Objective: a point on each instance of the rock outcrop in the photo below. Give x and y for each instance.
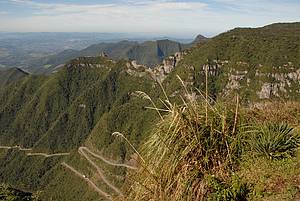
(279, 82)
(159, 72)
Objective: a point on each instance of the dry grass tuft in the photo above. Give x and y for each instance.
(195, 151)
(192, 140)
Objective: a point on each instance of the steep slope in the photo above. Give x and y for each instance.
(57, 113)
(259, 63)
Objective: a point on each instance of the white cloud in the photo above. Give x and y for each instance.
(160, 5)
(155, 16)
(178, 5)
(267, 7)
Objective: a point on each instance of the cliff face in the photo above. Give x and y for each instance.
(283, 83)
(258, 64)
(278, 82)
(261, 63)
(160, 72)
(254, 81)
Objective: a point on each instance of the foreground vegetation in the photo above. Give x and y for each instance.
(205, 150)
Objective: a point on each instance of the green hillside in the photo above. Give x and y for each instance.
(62, 111)
(259, 63)
(153, 52)
(92, 97)
(218, 149)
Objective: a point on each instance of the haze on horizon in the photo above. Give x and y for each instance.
(177, 18)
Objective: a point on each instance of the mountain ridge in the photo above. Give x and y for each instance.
(149, 53)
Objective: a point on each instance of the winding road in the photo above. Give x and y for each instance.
(83, 151)
(47, 155)
(5, 147)
(32, 153)
(99, 171)
(15, 147)
(106, 160)
(93, 185)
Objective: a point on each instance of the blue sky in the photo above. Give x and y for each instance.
(184, 18)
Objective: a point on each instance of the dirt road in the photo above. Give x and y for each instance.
(106, 160)
(92, 184)
(47, 155)
(99, 171)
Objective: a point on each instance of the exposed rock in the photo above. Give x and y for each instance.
(82, 105)
(242, 63)
(281, 81)
(265, 92)
(135, 65)
(135, 73)
(234, 79)
(211, 69)
(103, 54)
(160, 72)
(134, 69)
(271, 89)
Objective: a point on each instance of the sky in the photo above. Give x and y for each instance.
(178, 18)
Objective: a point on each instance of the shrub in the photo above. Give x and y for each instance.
(235, 190)
(275, 141)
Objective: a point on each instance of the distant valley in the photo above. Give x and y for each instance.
(42, 52)
(149, 53)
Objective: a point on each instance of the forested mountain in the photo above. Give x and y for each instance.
(200, 39)
(148, 53)
(35, 51)
(22, 49)
(258, 63)
(91, 97)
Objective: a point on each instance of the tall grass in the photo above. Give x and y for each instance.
(192, 140)
(195, 149)
(194, 152)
